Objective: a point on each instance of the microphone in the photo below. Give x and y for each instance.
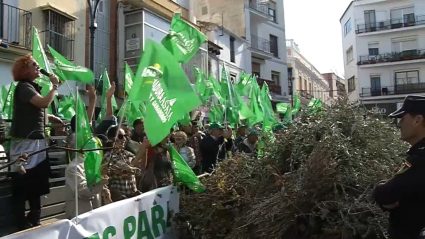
(44, 72)
(4, 45)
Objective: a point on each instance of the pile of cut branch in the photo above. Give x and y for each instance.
(314, 181)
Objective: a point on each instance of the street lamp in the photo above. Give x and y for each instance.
(290, 85)
(92, 27)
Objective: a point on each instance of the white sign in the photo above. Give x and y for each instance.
(378, 110)
(146, 216)
(132, 44)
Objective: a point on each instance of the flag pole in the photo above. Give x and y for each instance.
(70, 90)
(76, 156)
(122, 118)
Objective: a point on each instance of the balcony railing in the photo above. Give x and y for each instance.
(391, 57)
(260, 44)
(15, 26)
(62, 44)
(409, 21)
(394, 90)
(258, 6)
(305, 94)
(272, 85)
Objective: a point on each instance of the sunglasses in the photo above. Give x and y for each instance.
(121, 136)
(35, 64)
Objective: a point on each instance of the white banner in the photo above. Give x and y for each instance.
(146, 216)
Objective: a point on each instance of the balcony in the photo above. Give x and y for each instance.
(392, 57)
(15, 26)
(260, 8)
(272, 86)
(404, 89)
(408, 21)
(261, 47)
(305, 94)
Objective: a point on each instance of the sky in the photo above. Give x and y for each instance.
(314, 25)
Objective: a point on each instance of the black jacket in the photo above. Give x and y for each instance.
(210, 151)
(408, 189)
(244, 148)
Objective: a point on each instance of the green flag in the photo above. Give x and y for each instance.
(40, 57)
(203, 86)
(85, 140)
(297, 104)
(106, 85)
(4, 91)
(216, 89)
(216, 113)
(225, 83)
(185, 120)
(255, 98)
(162, 84)
(266, 105)
(244, 84)
(66, 107)
(67, 71)
(132, 111)
(282, 107)
(128, 78)
(183, 40)
(8, 104)
(184, 174)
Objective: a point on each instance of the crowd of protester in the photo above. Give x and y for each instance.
(130, 166)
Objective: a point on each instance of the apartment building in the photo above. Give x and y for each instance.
(383, 44)
(141, 20)
(262, 25)
(336, 84)
(61, 24)
(306, 80)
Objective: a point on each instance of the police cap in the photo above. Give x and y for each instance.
(413, 104)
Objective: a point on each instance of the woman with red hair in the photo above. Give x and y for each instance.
(30, 180)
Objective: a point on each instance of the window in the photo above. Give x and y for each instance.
(233, 78)
(404, 15)
(375, 85)
(272, 10)
(347, 27)
(276, 77)
(59, 32)
(350, 56)
(370, 20)
(300, 83)
(232, 49)
(204, 10)
(407, 77)
(404, 44)
(256, 69)
(351, 84)
(373, 49)
(273, 46)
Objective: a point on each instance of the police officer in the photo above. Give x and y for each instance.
(404, 195)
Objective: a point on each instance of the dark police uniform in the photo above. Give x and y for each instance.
(407, 187)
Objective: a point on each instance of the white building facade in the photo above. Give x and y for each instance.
(306, 79)
(233, 54)
(265, 31)
(384, 56)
